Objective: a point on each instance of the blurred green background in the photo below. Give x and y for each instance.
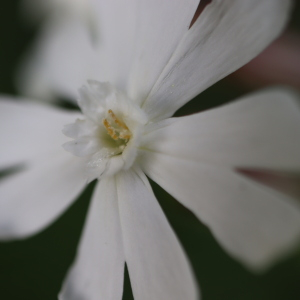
(33, 269)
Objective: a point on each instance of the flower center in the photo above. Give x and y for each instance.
(108, 136)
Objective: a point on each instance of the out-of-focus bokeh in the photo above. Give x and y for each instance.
(34, 269)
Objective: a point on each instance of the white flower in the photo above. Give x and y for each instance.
(148, 64)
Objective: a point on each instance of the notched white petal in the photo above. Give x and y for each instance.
(260, 131)
(253, 223)
(98, 271)
(226, 35)
(32, 199)
(157, 265)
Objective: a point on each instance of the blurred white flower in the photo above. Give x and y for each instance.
(148, 63)
(37, 9)
(57, 15)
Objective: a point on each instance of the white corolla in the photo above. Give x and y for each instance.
(145, 63)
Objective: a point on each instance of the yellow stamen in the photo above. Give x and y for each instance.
(116, 120)
(119, 129)
(110, 130)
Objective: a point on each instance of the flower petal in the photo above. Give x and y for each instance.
(226, 35)
(29, 130)
(261, 131)
(157, 265)
(253, 223)
(80, 128)
(33, 198)
(60, 62)
(99, 267)
(159, 25)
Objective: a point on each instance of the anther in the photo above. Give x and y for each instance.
(115, 127)
(116, 120)
(110, 130)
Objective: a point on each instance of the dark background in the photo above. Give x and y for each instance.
(33, 269)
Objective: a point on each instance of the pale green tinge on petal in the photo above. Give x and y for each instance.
(98, 270)
(261, 130)
(35, 197)
(226, 36)
(255, 224)
(157, 265)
